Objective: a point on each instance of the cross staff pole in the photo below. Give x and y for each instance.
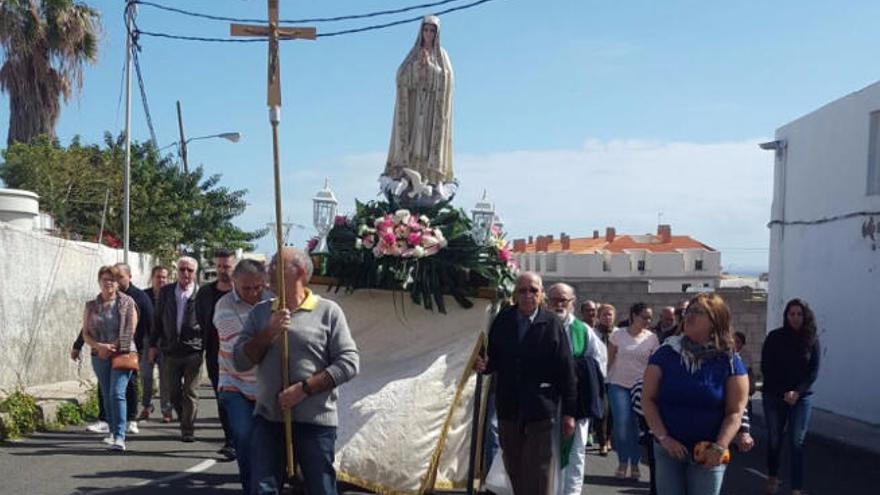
(273, 100)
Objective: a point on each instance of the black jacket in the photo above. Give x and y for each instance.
(787, 364)
(591, 388)
(165, 335)
(535, 375)
(144, 305)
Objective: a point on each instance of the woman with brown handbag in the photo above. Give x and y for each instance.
(108, 326)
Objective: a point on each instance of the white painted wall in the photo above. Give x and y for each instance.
(823, 173)
(666, 271)
(44, 284)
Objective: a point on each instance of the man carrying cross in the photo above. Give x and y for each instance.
(322, 356)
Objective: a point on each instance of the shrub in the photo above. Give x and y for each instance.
(23, 414)
(69, 414)
(90, 408)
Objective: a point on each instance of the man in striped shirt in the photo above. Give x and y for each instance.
(237, 389)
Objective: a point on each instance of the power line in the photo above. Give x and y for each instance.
(135, 49)
(319, 35)
(294, 21)
(834, 218)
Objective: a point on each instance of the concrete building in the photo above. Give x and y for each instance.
(668, 263)
(824, 238)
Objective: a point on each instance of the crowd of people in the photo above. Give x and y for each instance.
(677, 391)
(232, 326)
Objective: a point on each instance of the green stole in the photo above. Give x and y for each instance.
(577, 334)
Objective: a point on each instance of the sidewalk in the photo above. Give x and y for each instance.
(830, 427)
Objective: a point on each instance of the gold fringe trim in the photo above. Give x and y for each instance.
(431, 478)
(371, 485)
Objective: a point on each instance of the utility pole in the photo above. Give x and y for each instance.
(182, 139)
(126, 207)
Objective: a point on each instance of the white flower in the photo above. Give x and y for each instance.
(424, 220)
(418, 252)
(401, 216)
(358, 244)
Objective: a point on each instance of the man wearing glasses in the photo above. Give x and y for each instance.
(177, 333)
(589, 352)
(530, 356)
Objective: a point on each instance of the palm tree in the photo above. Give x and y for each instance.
(46, 44)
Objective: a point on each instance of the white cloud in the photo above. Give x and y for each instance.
(719, 193)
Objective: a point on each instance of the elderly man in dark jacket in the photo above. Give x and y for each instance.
(177, 333)
(530, 356)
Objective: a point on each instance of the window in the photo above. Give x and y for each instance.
(698, 265)
(606, 266)
(641, 265)
(685, 287)
(874, 154)
(550, 263)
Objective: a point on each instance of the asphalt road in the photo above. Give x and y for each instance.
(73, 461)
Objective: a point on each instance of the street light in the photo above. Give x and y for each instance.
(233, 137)
(483, 216)
(324, 204)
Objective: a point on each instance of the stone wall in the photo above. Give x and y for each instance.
(748, 307)
(44, 283)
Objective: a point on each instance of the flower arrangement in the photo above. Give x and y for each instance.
(401, 234)
(429, 252)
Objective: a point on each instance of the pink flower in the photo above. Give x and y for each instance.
(312, 244)
(415, 238)
(369, 241)
(388, 237)
(504, 255)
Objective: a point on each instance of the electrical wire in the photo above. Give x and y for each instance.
(825, 219)
(294, 21)
(132, 29)
(319, 35)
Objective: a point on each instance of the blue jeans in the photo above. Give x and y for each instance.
(239, 412)
(111, 385)
(778, 414)
(313, 447)
(675, 477)
(625, 431)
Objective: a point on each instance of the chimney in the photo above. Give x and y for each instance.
(565, 240)
(664, 232)
(609, 234)
(542, 243)
(519, 245)
(531, 240)
(595, 234)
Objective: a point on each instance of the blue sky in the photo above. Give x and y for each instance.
(575, 115)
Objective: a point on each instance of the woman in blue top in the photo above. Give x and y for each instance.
(695, 390)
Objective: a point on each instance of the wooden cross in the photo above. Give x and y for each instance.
(274, 33)
(274, 101)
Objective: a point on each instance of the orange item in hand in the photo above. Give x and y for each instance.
(703, 448)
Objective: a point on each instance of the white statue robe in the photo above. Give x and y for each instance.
(421, 137)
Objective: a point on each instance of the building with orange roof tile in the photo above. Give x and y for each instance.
(670, 263)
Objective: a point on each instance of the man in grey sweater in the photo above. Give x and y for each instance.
(321, 356)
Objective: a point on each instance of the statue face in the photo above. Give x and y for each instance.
(429, 34)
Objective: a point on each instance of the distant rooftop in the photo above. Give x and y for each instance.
(661, 242)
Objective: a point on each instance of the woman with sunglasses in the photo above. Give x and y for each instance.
(790, 364)
(628, 352)
(694, 393)
(108, 327)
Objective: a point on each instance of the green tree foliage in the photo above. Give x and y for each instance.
(170, 211)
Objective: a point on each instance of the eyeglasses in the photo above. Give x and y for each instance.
(561, 300)
(186, 269)
(528, 290)
(107, 280)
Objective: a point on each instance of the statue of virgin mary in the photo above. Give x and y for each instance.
(420, 154)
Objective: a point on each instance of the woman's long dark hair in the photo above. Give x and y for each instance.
(807, 332)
